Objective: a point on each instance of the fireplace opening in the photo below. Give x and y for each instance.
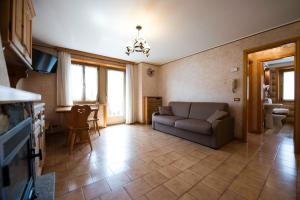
(16, 162)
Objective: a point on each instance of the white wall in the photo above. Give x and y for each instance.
(206, 76)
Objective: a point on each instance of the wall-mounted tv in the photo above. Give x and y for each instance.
(43, 62)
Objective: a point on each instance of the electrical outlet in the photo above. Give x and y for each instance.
(237, 99)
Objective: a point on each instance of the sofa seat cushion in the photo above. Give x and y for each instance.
(166, 119)
(195, 125)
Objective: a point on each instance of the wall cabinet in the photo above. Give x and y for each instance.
(16, 32)
(151, 105)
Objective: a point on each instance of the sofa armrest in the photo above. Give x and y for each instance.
(223, 131)
(154, 114)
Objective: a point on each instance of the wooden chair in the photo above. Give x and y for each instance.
(78, 125)
(94, 119)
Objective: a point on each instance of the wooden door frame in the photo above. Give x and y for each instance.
(296, 41)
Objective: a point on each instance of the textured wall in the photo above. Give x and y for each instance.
(147, 86)
(206, 76)
(3, 70)
(44, 84)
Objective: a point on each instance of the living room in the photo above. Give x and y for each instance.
(148, 107)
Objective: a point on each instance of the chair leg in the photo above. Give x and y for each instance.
(73, 138)
(89, 140)
(98, 128)
(69, 137)
(95, 127)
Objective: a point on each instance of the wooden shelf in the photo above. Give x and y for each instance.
(11, 95)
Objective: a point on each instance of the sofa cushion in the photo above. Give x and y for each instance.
(203, 110)
(181, 109)
(165, 110)
(218, 114)
(194, 125)
(165, 119)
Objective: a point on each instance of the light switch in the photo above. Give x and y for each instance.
(234, 69)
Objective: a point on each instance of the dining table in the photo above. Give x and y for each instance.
(65, 110)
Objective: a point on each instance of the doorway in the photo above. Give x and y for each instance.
(115, 96)
(271, 76)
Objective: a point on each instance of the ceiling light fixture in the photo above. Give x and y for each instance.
(138, 45)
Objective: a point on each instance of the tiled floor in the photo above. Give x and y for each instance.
(136, 162)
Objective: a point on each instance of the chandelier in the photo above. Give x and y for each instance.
(138, 45)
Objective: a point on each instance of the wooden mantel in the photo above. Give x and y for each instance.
(11, 95)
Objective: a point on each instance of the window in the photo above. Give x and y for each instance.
(115, 93)
(288, 85)
(85, 82)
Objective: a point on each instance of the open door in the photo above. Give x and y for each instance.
(266, 67)
(115, 96)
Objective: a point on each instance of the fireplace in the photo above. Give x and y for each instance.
(17, 162)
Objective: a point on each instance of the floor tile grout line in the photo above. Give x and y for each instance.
(204, 178)
(240, 172)
(270, 152)
(269, 171)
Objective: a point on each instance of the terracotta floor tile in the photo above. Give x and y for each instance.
(173, 155)
(135, 173)
(187, 196)
(118, 167)
(189, 177)
(161, 193)
(163, 160)
(198, 154)
(200, 169)
(118, 180)
(136, 160)
(270, 193)
(288, 187)
(250, 180)
(244, 190)
(141, 198)
(185, 163)
(225, 173)
(119, 194)
(216, 183)
(177, 186)
(169, 171)
(230, 195)
(100, 173)
(74, 195)
(61, 188)
(202, 191)
(79, 181)
(96, 189)
(138, 188)
(155, 178)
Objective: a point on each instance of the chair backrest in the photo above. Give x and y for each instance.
(79, 116)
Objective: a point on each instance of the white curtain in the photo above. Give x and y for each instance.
(129, 108)
(64, 83)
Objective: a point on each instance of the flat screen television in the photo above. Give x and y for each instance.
(43, 62)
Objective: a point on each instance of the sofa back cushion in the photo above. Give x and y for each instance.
(180, 109)
(202, 110)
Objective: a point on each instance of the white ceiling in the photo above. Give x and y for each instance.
(173, 28)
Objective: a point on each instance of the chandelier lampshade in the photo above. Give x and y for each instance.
(138, 45)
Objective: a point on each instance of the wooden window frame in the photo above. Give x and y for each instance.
(280, 84)
(84, 101)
